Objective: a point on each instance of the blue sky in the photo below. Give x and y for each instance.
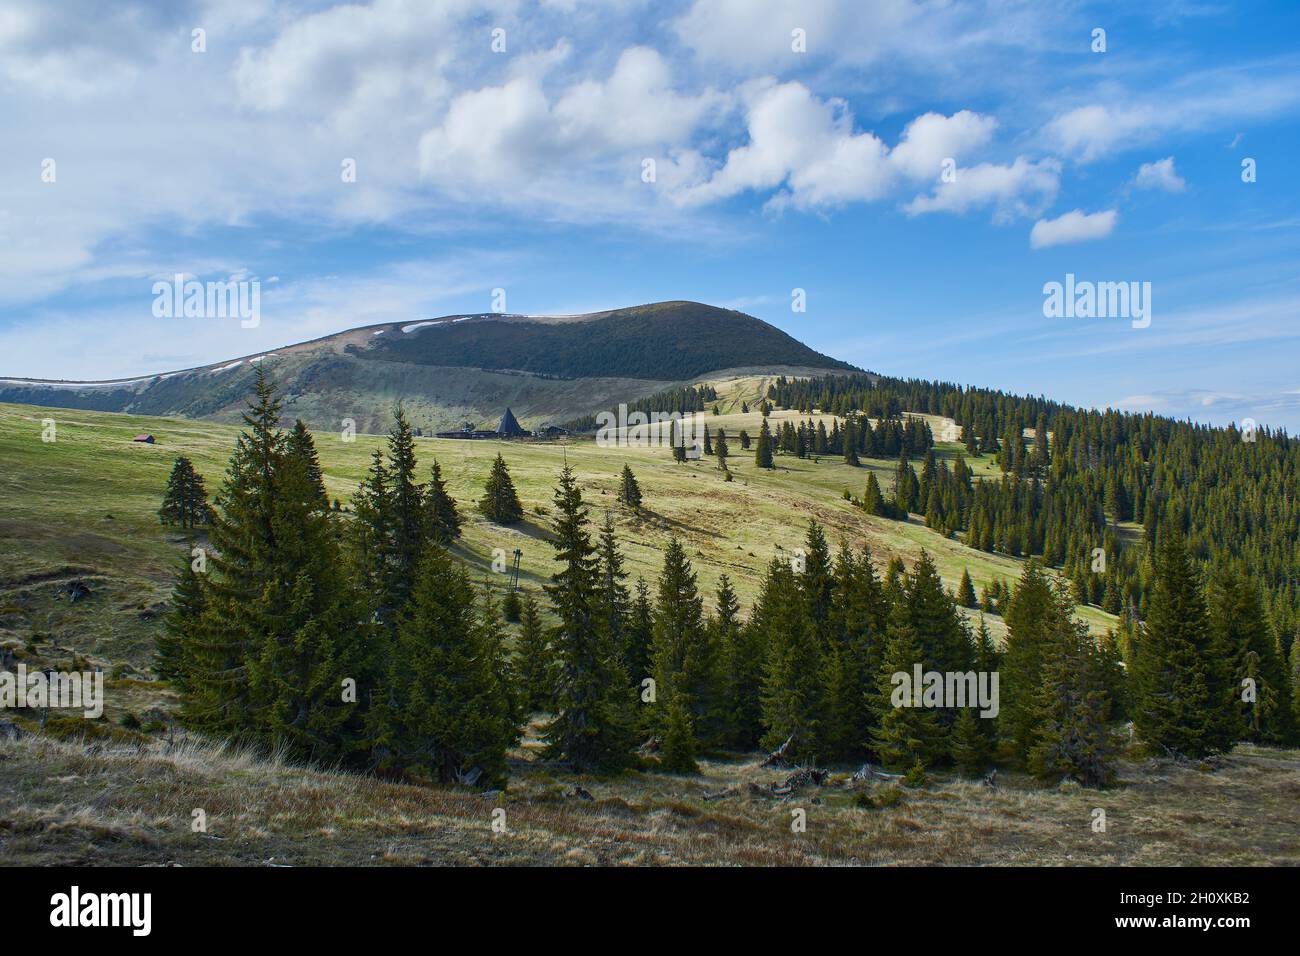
(775, 169)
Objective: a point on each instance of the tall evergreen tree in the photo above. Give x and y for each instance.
(1182, 676)
(301, 445)
(629, 492)
(966, 591)
(794, 695)
(500, 503)
(444, 707)
(907, 734)
(687, 664)
(243, 564)
(1073, 738)
(612, 596)
(1030, 629)
(185, 502)
(535, 659)
(441, 516)
(180, 626)
(763, 450)
(592, 729)
(1260, 688)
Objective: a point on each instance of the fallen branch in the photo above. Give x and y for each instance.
(777, 757)
(867, 773)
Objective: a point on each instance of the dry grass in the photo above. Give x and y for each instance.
(67, 802)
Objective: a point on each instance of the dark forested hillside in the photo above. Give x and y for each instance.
(1107, 480)
(665, 341)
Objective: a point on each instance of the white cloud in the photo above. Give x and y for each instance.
(807, 149)
(1074, 226)
(1023, 188)
(1160, 175)
(1190, 103)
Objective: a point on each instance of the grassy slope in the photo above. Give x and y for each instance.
(83, 508)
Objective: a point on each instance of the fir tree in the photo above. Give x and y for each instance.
(872, 500)
(1260, 690)
(629, 492)
(1073, 738)
(592, 729)
(1030, 629)
(966, 591)
(907, 734)
(793, 693)
(442, 518)
(969, 744)
(500, 503)
(301, 445)
(763, 451)
(535, 659)
(445, 707)
(179, 626)
(185, 502)
(1182, 676)
(687, 665)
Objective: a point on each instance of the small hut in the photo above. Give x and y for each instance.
(147, 439)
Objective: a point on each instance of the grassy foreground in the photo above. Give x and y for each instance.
(71, 803)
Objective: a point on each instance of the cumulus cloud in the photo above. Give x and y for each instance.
(1022, 188)
(809, 152)
(1074, 226)
(520, 137)
(1160, 175)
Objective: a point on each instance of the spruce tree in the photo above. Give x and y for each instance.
(872, 500)
(1260, 689)
(441, 516)
(1182, 676)
(445, 709)
(592, 729)
(301, 445)
(906, 734)
(407, 523)
(687, 664)
(500, 503)
(535, 659)
(1073, 739)
(629, 492)
(244, 562)
(721, 449)
(763, 450)
(307, 671)
(612, 597)
(638, 636)
(969, 744)
(677, 753)
(179, 626)
(1030, 628)
(966, 591)
(793, 694)
(185, 502)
